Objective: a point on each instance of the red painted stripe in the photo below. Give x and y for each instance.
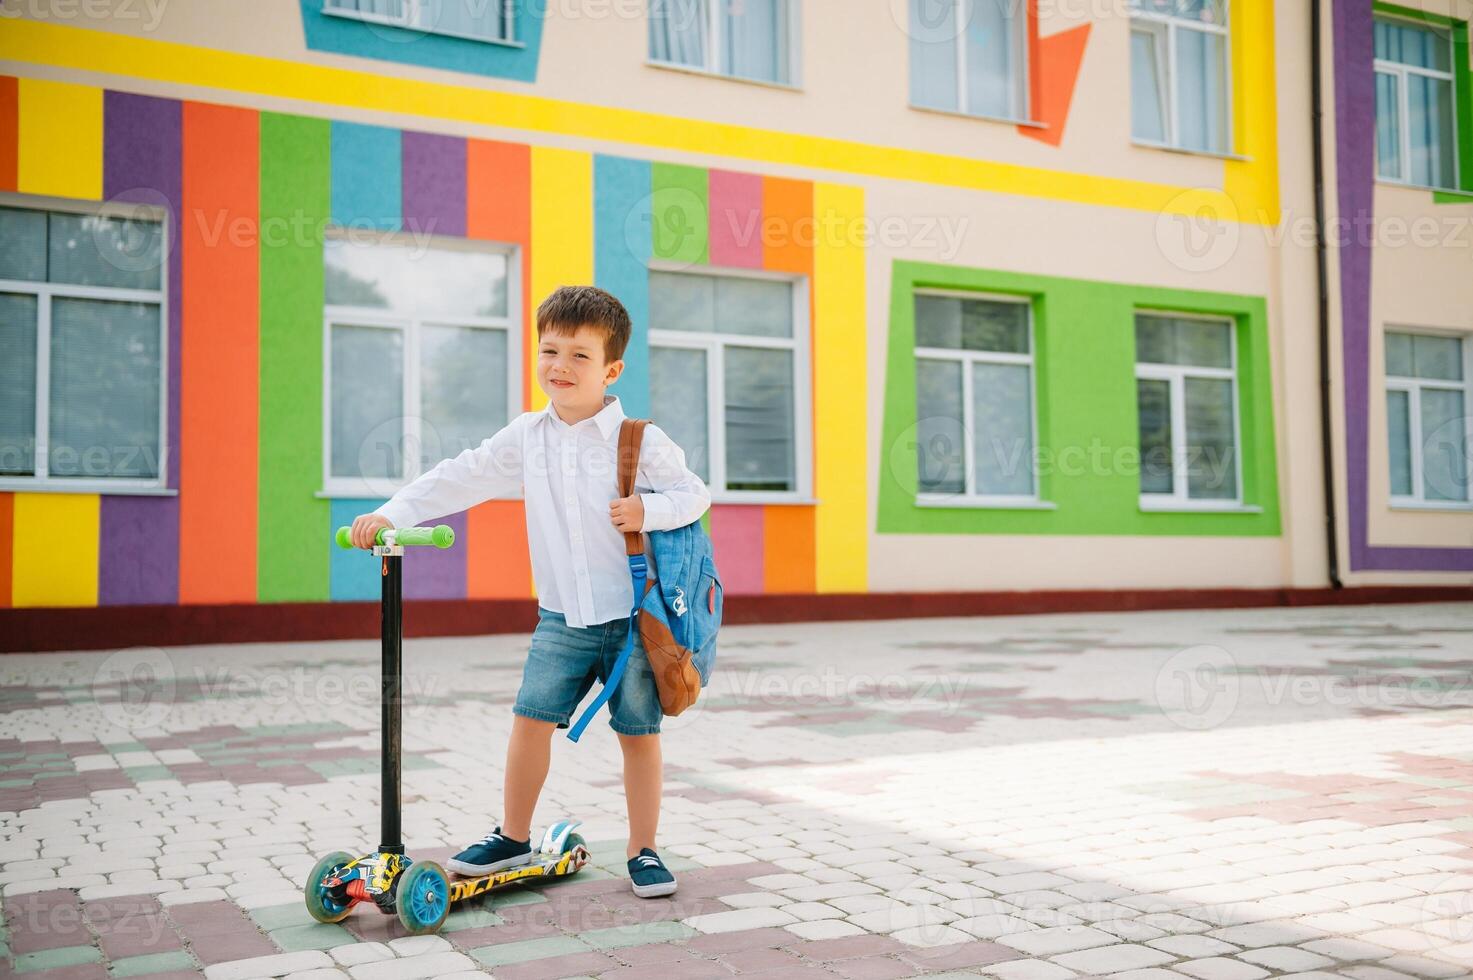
(9, 133)
(737, 542)
(217, 495)
(7, 535)
(736, 219)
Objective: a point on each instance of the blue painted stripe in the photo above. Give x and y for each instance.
(621, 255)
(366, 177)
(354, 573)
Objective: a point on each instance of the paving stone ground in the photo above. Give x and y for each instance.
(1223, 795)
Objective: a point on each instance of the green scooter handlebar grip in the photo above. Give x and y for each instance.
(441, 536)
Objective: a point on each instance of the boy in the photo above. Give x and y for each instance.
(562, 460)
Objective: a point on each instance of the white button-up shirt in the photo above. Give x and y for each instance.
(568, 475)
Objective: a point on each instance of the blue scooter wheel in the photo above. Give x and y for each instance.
(423, 897)
(320, 903)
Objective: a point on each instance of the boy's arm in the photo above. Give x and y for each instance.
(492, 469)
(677, 497)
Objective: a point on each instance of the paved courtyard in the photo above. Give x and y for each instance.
(1211, 795)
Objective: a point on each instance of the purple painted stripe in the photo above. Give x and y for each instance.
(1355, 178)
(433, 574)
(434, 184)
(139, 549)
(736, 219)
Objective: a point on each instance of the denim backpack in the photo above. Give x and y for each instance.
(677, 610)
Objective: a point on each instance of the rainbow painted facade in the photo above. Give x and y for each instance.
(258, 132)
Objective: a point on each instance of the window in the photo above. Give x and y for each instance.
(752, 39)
(477, 20)
(1414, 105)
(1179, 74)
(422, 356)
(726, 357)
(975, 426)
(1427, 394)
(969, 56)
(1186, 396)
(82, 350)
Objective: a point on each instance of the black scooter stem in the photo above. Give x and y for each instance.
(392, 632)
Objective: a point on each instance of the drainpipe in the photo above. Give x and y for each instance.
(1327, 448)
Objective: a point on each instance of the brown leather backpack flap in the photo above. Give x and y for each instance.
(676, 677)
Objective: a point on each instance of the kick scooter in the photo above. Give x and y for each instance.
(419, 891)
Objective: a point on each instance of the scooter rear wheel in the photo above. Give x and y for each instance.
(320, 902)
(423, 897)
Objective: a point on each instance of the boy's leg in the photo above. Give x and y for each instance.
(528, 755)
(643, 765)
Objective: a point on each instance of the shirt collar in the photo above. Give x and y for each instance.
(607, 419)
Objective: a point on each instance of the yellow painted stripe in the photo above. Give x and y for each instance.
(1254, 182)
(840, 388)
(56, 536)
(60, 137)
(44, 43)
(562, 230)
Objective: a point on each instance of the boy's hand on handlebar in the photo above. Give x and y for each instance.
(627, 513)
(366, 528)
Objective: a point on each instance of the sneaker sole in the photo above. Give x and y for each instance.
(658, 890)
(478, 870)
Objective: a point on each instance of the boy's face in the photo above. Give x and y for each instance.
(572, 370)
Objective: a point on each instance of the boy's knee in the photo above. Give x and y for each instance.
(533, 726)
(639, 743)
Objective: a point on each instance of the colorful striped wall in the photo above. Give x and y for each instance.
(249, 194)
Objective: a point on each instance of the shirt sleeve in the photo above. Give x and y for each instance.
(676, 496)
(492, 469)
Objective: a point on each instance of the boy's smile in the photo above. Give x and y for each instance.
(572, 370)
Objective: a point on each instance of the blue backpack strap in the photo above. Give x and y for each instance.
(631, 434)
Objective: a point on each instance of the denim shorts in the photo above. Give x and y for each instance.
(563, 664)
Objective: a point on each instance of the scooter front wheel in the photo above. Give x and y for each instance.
(423, 897)
(321, 904)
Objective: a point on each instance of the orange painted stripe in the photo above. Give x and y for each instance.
(498, 565)
(7, 535)
(9, 141)
(788, 549)
(498, 204)
(788, 225)
(220, 351)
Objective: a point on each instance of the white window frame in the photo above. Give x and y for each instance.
(1177, 375)
(1400, 71)
(714, 344)
(967, 358)
(1021, 110)
(1165, 28)
(1413, 387)
(416, 13)
(45, 292)
(711, 64)
(411, 324)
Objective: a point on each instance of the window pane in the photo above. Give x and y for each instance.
(1430, 130)
(933, 32)
(1399, 442)
(367, 401)
(1444, 449)
(1173, 340)
(680, 302)
(1438, 357)
(1147, 116)
(88, 250)
(462, 388)
(678, 403)
(967, 324)
(105, 386)
(990, 38)
(380, 8)
(759, 419)
(1399, 354)
(756, 39)
(17, 384)
(1153, 404)
(1002, 412)
(414, 279)
(1202, 11)
(22, 244)
(473, 18)
(940, 436)
(1409, 44)
(1212, 456)
(1388, 126)
(753, 307)
(1201, 113)
(678, 32)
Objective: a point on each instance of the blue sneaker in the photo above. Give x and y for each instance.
(650, 877)
(494, 852)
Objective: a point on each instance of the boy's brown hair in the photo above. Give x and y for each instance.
(569, 307)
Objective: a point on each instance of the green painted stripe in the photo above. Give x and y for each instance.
(292, 565)
(679, 211)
